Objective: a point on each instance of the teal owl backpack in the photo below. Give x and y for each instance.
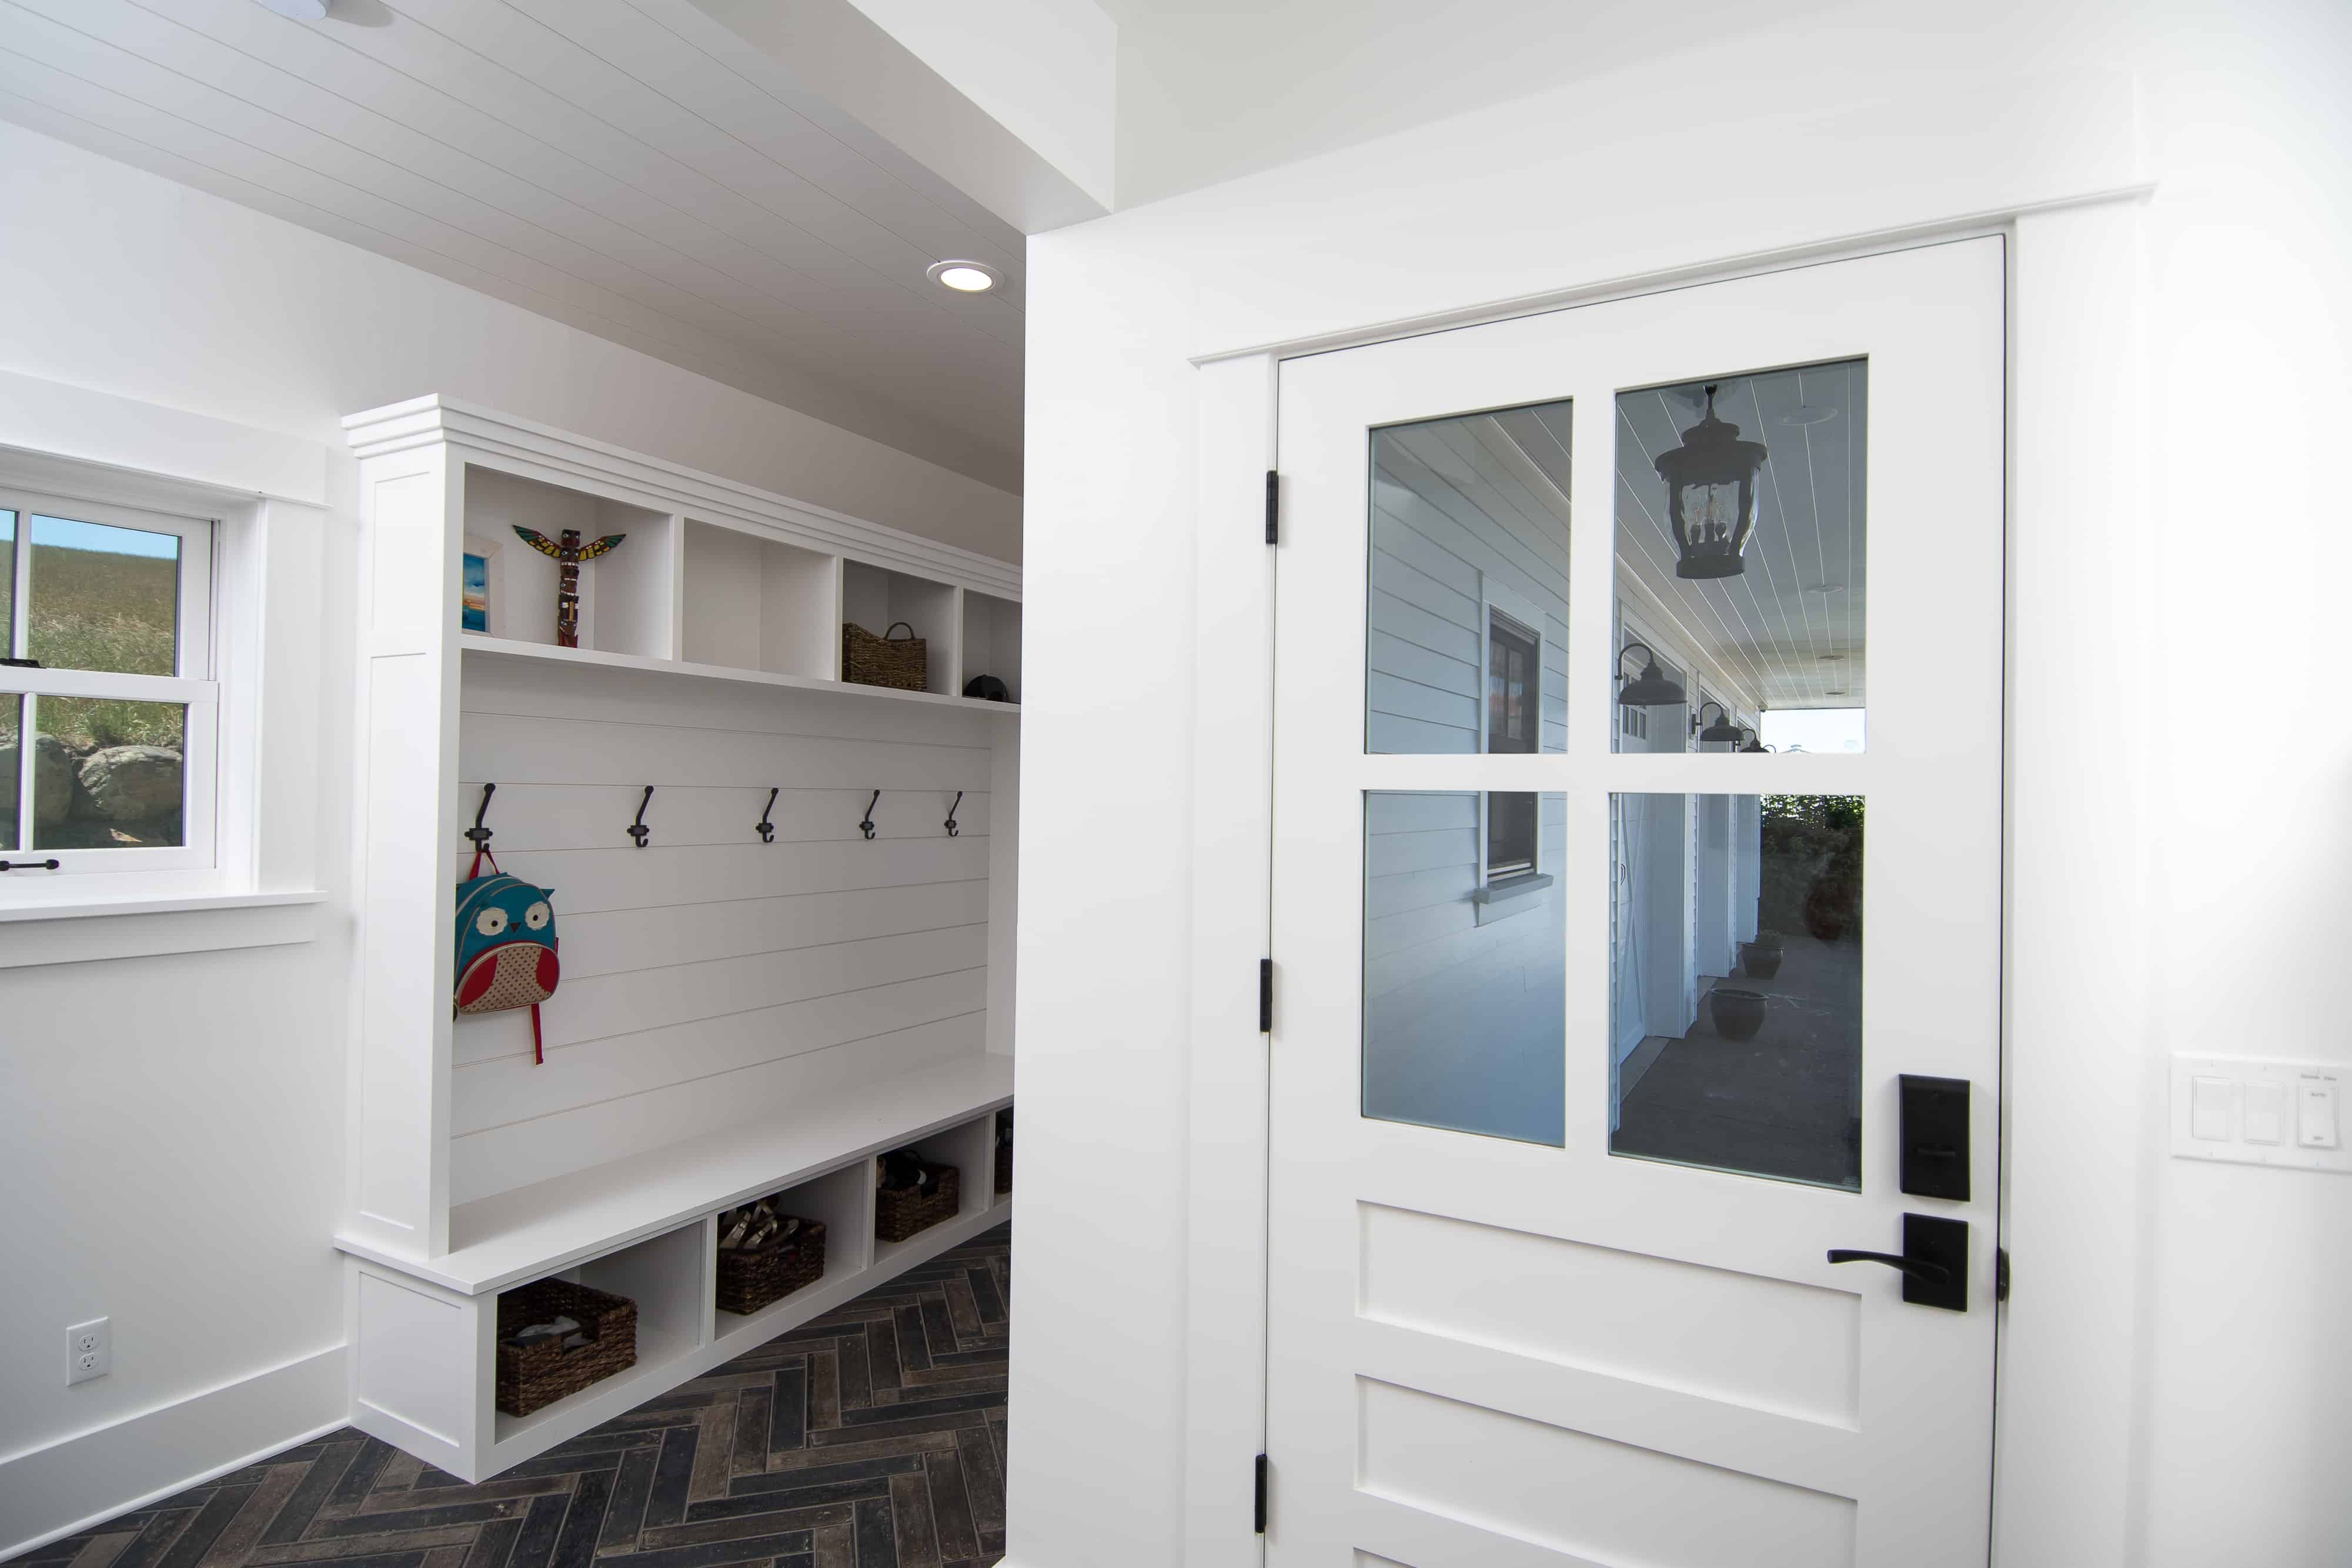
(506, 940)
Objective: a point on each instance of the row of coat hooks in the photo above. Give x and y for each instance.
(641, 835)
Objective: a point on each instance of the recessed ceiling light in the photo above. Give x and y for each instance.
(300, 10)
(1825, 587)
(1807, 414)
(964, 276)
(1832, 658)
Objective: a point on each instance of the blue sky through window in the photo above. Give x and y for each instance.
(64, 533)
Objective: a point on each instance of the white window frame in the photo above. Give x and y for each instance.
(193, 685)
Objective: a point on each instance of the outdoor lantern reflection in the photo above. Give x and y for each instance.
(1711, 496)
(1755, 742)
(1652, 687)
(1720, 730)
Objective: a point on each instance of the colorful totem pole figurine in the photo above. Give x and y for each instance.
(570, 553)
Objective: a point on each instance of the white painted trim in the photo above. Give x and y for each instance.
(556, 457)
(114, 927)
(2080, 994)
(259, 1416)
(1230, 853)
(130, 443)
(1871, 242)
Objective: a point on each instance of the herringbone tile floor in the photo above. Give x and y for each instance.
(870, 1437)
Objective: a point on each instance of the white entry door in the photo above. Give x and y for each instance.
(1636, 931)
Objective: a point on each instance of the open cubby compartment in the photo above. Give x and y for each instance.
(876, 597)
(992, 639)
(843, 1199)
(970, 1147)
(1001, 1124)
(669, 1276)
(756, 603)
(627, 597)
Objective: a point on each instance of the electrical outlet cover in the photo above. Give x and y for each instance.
(90, 1350)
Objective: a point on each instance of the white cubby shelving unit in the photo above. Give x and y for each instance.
(739, 1015)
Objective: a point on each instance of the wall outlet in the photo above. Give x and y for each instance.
(90, 1350)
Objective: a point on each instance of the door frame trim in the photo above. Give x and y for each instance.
(2069, 1346)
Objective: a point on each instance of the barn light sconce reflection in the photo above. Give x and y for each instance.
(1652, 687)
(1721, 731)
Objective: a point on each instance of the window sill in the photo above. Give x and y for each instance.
(1497, 900)
(77, 929)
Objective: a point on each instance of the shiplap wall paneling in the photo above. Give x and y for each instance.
(991, 640)
(1431, 562)
(627, 596)
(876, 597)
(756, 604)
(1422, 937)
(709, 976)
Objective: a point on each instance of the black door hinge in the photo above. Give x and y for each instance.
(1266, 996)
(2000, 1273)
(1259, 1511)
(1273, 507)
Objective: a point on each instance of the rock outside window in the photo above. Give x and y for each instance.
(108, 710)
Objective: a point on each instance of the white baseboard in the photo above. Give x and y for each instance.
(76, 1482)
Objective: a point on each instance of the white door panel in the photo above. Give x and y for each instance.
(1510, 1344)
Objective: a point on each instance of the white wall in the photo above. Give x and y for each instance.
(167, 1124)
(2191, 1413)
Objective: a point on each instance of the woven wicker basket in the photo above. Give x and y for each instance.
(906, 1212)
(884, 661)
(531, 1375)
(749, 1278)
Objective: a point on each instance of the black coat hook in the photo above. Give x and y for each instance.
(866, 827)
(952, 829)
(479, 834)
(764, 828)
(638, 830)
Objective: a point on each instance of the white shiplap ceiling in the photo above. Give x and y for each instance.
(624, 166)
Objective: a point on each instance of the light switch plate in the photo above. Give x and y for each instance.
(2263, 1105)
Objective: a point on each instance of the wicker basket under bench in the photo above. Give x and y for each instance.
(751, 1278)
(540, 1372)
(909, 1211)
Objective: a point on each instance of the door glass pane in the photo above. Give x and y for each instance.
(1465, 973)
(10, 767)
(7, 583)
(103, 598)
(108, 775)
(1741, 553)
(1736, 984)
(1466, 625)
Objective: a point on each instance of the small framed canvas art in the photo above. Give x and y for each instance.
(478, 587)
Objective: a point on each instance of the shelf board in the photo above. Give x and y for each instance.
(535, 1230)
(547, 653)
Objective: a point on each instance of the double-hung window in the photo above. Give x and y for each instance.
(110, 707)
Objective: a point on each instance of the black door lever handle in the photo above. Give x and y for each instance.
(1917, 1268)
(1934, 1262)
